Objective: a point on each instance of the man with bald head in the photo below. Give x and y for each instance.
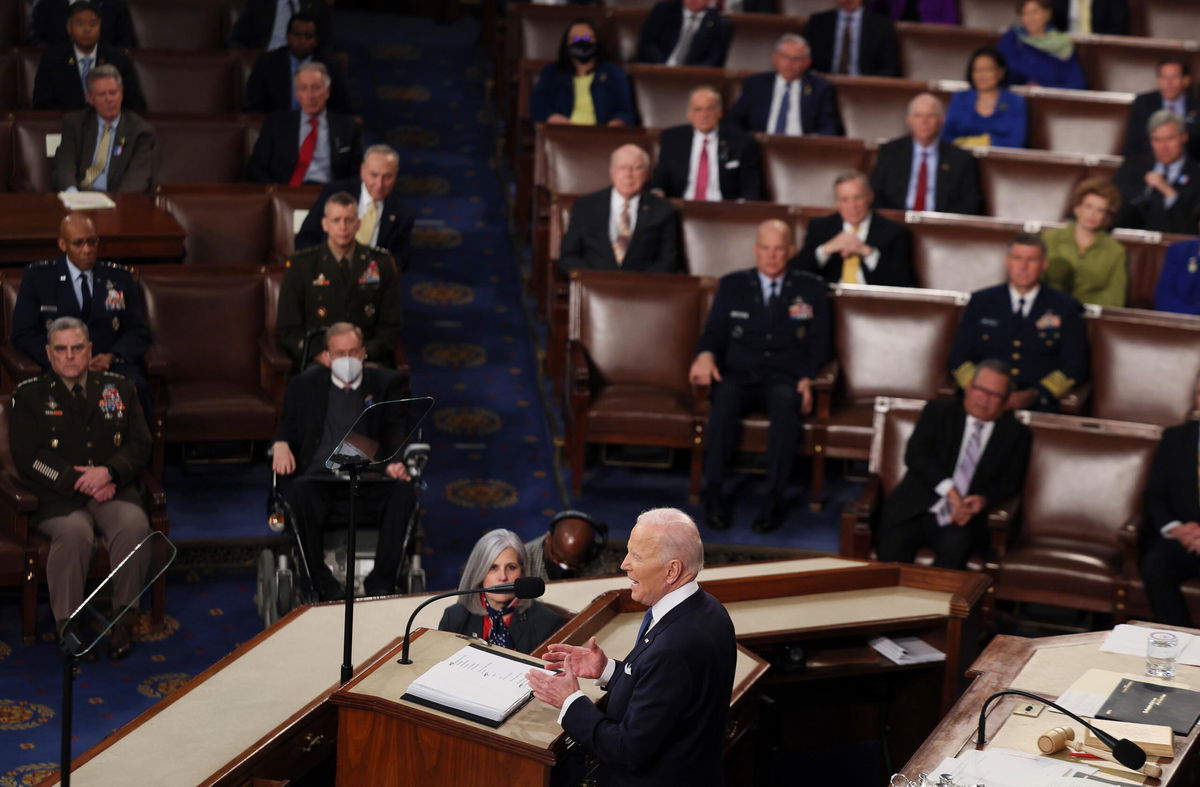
(101, 294)
(706, 159)
(572, 546)
(625, 227)
(668, 700)
(766, 337)
(921, 172)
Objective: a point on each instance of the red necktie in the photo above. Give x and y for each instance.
(702, 173)
(922, 184)
(306, 153)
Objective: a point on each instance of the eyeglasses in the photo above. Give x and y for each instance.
(79, 243)
(986, 392)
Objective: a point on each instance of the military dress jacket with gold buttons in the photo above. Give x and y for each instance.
(317, 292)
(1046, 350)
(51, 434)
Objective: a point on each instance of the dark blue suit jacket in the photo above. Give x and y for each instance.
(57, 84)
(395, 225)
(878, 50)
(278, 147)
(48, 23)
(668, 701)
(818, 105)
(660, 34)
(1178, 287)
(554, 93)
(118, 322)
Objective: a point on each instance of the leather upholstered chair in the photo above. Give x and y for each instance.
(28, 58)
(873, 108)
(754, 37)
(888, 341)
(936, 52)
(1032, 185)
(987, 14)
(1145, 252)
(801, 170)
(625, 26)
(660, 93)
(11, 22)
(6, 153)
(221, 376)
(959, 253)
(168, 24)
(623, 388)
(537, 29)
(804, 8)
(1081, 514)
(9, 81)
(23, 550)
(15, 365)
(286, 201)
(719, 237)
(199, 149)
(229, 225)
(1119, 65)
(1165, 18)
(31, 166)
(197, 82)
(1078, 122)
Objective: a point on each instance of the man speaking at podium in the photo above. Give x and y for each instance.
(664, 723)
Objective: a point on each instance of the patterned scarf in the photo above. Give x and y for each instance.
(499, 634)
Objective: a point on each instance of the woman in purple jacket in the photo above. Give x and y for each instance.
(938, 11)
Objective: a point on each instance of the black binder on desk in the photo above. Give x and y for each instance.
(1150, 703)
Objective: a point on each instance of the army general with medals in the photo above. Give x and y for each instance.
(766, 338)
(341, 280)
(79, 439)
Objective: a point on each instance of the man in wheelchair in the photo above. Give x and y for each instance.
(320, 406)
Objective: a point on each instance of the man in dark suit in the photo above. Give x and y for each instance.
(1174, 81)
(766, 338)
(1160, 191)
(668, 700)
(61, 79)
(48, 23)
(308, 145)
(1101, 17)
(625, 227)
(788, 100)
(104, 147)
(1171, 538)
(385, 220)
(922, 172)
(270, 86)
(852, 40)
(319, 407)
(101, 294)
(962, 460)
(79, 439)
(854, 245)
(691, 153)
(684, 33)
(1037, 330)
(262, 24)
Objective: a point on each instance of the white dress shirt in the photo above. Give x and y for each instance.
(616, 202)
(864, 227)
(699, 141)
(1015, 297)
(794, 127)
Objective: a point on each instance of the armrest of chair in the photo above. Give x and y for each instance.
(400, 360)
(701, 401)
(1000, 521)
(156, 496)
(1128, 537)
(823, 386)
(274, 367)
(1076, 399)
(579, 376)
(857, 518)
(17, 364)
(16, 496)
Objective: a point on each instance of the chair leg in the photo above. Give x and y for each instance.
(29, 593)
(697, 465)
(816, 489)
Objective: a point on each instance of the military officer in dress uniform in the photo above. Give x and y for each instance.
(102, 294)
(766, 337)
(78, 437)
(1036, 329)
(340, 280)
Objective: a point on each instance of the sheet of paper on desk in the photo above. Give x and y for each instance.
(1131, 640)
(85, 200)
(1087, 694)
(998, 767)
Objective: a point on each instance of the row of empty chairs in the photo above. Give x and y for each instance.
(158, 24)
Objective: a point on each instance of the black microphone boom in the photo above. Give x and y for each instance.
(1124, 751)
(523, 587)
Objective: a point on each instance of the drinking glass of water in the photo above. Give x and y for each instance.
(1162, 649)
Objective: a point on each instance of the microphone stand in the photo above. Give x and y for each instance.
(70, 643)
(524, 587)
(354, 466)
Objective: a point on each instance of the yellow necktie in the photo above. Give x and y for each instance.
(1085, 16)
(367, 227)
(851, 264)
(101, 159)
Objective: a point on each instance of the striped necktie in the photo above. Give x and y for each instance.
(964, 471)
(101, 159)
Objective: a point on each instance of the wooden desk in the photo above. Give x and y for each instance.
(134, 229)
(1045, 666)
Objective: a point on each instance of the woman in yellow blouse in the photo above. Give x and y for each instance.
(1084, 260)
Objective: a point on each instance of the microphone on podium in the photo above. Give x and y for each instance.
(522, 587)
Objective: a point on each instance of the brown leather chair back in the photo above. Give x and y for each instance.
(718, 237)
(1166, 18)
(539, 28)
(1028, 185)
(1127, 66)
(11, 22)
(893, 341)
(181, 298)
(803, 8)
(754, 37)
(177, 81)
(626, 26)
(1145, 252)
(613, 314)
(646, 4)
(9, 80)
(939, 51)
(1144, 366)
(661, 92)
(232, 227)
(1072, 121)
(964, 255)
(7, 154)
(574, 159)
(1084, 482)
(28, 59)
(10, 285)
(273, 285)
(285, 201)
(200, 150)
(169, 24)
(801, 170)
(31, 166)
(873, 108)
(987, 14)
(895, 420)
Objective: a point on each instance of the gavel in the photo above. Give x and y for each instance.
(1060, 738)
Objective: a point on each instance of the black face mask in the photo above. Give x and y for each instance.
(582, 50)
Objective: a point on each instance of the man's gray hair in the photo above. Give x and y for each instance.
(941, 109)
(999, 367)
(320, 68)
(677, 536)
(106, 71)
(792, 38)
(849, 175)
(704, 89)
(1164, 117)
(641, 153)
(486, 550)
(68, 324)
(338, 328)
(382, 150)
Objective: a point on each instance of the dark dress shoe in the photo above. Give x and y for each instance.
(716, 514)
(88, 657)
(770, 516)
(328, 588)
(376, 585)
(120, 640)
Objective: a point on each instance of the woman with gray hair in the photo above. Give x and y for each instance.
(499, 618)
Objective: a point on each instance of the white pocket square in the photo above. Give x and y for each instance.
(732, 164)
(628, 669)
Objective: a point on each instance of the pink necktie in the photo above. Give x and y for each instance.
(702, 174)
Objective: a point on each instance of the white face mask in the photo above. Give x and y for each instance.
(347, 369)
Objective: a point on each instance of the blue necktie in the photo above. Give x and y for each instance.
(85, 66)
(646, 620)
(785, 108)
